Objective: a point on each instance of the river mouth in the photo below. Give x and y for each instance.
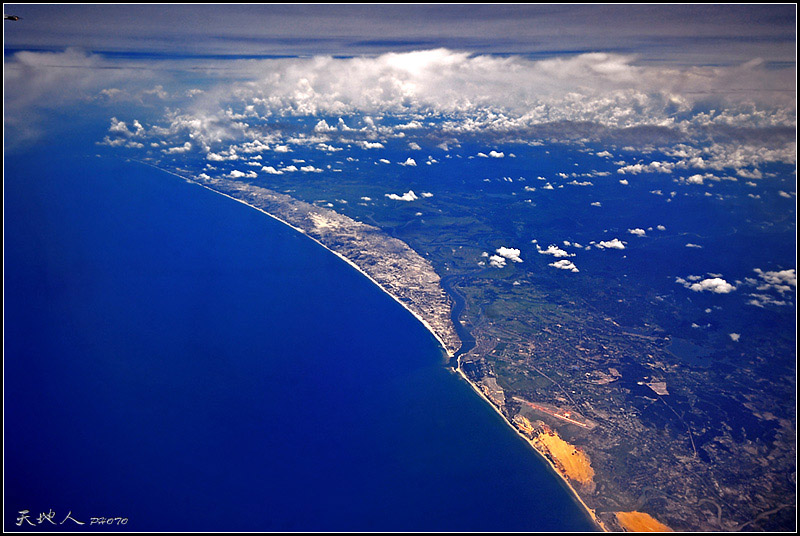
(467, 340)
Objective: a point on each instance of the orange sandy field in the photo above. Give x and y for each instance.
(573, 462)
(640, 522)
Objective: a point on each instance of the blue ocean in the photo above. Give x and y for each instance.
(175, 361)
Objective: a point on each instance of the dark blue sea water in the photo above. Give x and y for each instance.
(176, 359)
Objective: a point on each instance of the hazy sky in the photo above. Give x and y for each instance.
(687, 34)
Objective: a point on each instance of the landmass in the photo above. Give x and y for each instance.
(645, 440)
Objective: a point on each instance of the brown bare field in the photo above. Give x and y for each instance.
(640, 522)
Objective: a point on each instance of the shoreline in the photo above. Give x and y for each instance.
(430, 329)
(427, 326)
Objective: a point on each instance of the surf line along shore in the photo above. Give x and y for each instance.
(448, 348)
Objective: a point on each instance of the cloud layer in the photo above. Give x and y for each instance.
(469, 93)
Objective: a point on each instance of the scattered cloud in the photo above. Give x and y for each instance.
(716, 285)
(763, 300)
(652, 167)
(408, 196)
(236, 174)
(553, 250)
(323, 126)
(781, 281)
(497, 261)
(511, 254)
(564, 264)
(370, 144)
(616, 243)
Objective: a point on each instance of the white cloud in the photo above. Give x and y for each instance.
(762, 300)
(323, 126)
(698, 178)
(408, 196)
(414, 146)
(690, 245)
(747, 174)
(735, 336)
(511, 254)
(409, 162)
(236, 174)
(637, 232)
(496, 154)
(121, 128)
(185, 148)
(497, 261)
(716, 285)
(271, 170)
(564, 264)
(652, 167)
(328, 148)
(310, 169)
(616, 243)
(370, 144)
(553, 250)
(781, 280)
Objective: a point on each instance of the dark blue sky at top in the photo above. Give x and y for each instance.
(685, 34)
